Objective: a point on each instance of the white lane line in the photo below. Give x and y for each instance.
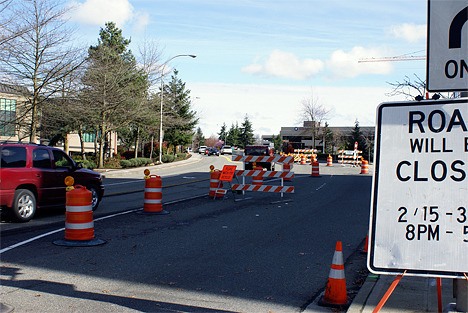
(22, 243)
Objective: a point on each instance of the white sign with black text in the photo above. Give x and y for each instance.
(419, 209)
(447, 45)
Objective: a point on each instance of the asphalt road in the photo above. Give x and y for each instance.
(258, 253)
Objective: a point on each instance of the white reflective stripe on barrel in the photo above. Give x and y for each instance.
(79, 225)
(152, 201)
(79, 208)
(153, 189)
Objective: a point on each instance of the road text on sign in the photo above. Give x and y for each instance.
(419, 211)
(447, 45)
(227, 173)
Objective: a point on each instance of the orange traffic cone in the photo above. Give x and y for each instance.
(335, 292)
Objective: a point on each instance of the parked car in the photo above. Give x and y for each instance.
(202, 149)
(226, 150)
(32, 176)
(212, 151)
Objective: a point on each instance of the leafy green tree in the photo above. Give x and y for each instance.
(246, 133)
(114, 88)
(179, 118)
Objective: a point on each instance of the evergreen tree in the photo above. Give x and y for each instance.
(222, 135)
(357, 136)
(278, 142)
(329, 140)
(199, 138)
(233, 136)
(114, 87)
(246, 133)
(179, 118)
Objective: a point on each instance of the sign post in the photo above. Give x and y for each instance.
(447, 45)
(419, 209)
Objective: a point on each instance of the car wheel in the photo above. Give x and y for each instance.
(95, 197)
(24, 205)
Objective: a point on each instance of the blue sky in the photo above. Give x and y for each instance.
(263, 58)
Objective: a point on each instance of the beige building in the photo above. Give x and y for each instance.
(13, 114)
(14, 123)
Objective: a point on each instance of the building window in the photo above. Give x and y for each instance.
(7, 117)
(87, 137)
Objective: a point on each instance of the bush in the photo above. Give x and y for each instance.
(135, 162)
(168, 158)
(88, 164)
(112, 163)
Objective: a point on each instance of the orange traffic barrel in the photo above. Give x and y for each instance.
(303, 159)
(215, 184)
(79, 223)
(364, 167)
(315, 169)
(153, 195)
(258, 179)
(329, 160)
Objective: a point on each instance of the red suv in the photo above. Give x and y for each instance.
(32, 176)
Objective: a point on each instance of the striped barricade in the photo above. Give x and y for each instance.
(263, 188)
(264, 174)
(260, 158)
(349, 157)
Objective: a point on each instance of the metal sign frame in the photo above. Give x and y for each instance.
(419, 207)
(447, 45)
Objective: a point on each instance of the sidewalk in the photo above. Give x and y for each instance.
(138, 171)
(412, 294)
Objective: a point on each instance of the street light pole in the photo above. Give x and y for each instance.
(162, 100)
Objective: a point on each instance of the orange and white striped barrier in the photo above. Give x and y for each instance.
(79, 223)
(335, 292)
(315, 169)
(286, 171)
(364, 167)
(153, 195)
(329, 160)
(259, 158)
(266, 174)
(263, 188)
(349, 157)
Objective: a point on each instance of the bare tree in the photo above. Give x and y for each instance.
(314, 112)
(408, 88)
(8, 29)
(40, 56)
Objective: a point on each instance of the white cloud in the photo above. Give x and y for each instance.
(411, 33)
(285, 65)
(344, 64)
(98, 12)
(270, 107)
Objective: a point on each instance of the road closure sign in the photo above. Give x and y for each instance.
(447, 45)
(419, 207)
